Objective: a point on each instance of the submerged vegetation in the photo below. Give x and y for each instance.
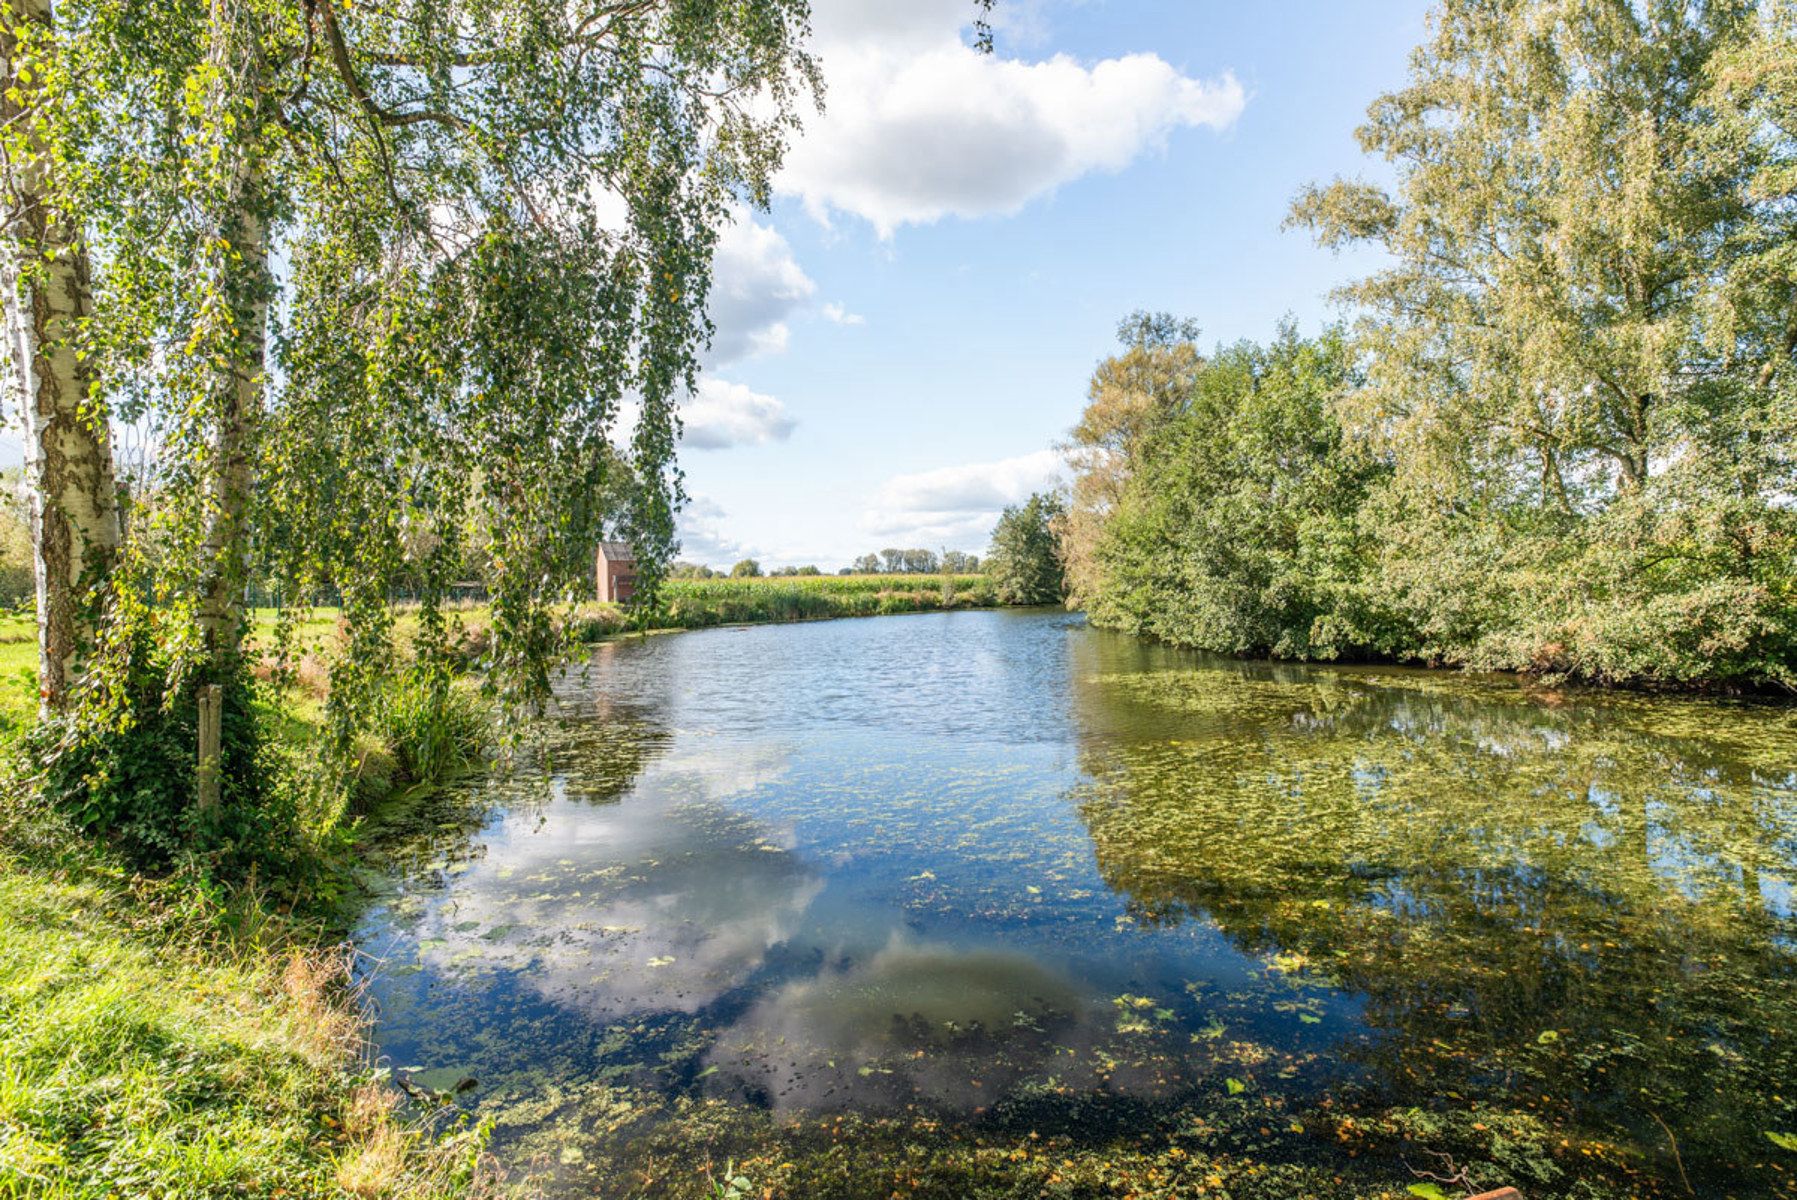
(1276, 931)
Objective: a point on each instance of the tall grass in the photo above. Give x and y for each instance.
(433, 726)
(145, 1051)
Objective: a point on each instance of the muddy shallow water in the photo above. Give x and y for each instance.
(993, 903)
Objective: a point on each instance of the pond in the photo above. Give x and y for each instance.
(993, 903)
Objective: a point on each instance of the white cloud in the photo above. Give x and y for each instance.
(836, 313)
(756, 285)
(721, 414)
(956, 506)
(919, 126)
(703, 538)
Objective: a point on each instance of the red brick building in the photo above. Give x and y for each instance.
(615, 572)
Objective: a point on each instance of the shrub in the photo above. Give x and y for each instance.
(123, 766)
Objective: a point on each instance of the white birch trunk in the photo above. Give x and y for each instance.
(68, 451)
(238, 268)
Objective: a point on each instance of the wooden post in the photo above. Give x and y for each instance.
(212, 703)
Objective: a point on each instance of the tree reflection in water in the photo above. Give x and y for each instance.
(993, 905)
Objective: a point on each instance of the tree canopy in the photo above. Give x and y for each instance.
(1025, 560)
(1559, 433)
(377, 282)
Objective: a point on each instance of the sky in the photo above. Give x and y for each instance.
(910, 328)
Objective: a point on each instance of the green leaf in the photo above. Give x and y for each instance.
(1236, 1087)
(1548, 1036)
(1784, 1141)
(1429, 1191)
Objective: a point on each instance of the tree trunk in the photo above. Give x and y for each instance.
(231, 472)
(68, 449)
(237, 269)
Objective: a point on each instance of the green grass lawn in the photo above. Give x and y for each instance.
(18, 676)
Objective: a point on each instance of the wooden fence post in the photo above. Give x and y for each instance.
(212, 703)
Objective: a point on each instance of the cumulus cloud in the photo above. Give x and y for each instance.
(721, 414)
(703, 538)
(956, 506)
(756, 286)
(839, 315)
(920, 126)
(718, 415)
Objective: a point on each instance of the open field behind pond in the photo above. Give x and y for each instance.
(695, 603)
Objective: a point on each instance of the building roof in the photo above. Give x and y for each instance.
(616, 552)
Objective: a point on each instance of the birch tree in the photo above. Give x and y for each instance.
(46, 281)
(376, 275)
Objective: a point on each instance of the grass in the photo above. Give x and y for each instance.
(152, 1044)
(169, 1039)
(18, 676)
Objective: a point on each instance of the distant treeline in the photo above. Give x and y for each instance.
(1559, 435)
(885, 562)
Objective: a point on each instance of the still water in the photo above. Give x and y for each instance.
(996, 904)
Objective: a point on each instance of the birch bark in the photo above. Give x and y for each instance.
(238, 269)
(48, 298)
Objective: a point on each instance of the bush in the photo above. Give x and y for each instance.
(123, 766)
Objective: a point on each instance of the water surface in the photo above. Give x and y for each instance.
(993, 903)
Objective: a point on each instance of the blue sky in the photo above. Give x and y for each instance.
(907, 332)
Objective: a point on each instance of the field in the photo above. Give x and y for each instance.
(694, 603)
